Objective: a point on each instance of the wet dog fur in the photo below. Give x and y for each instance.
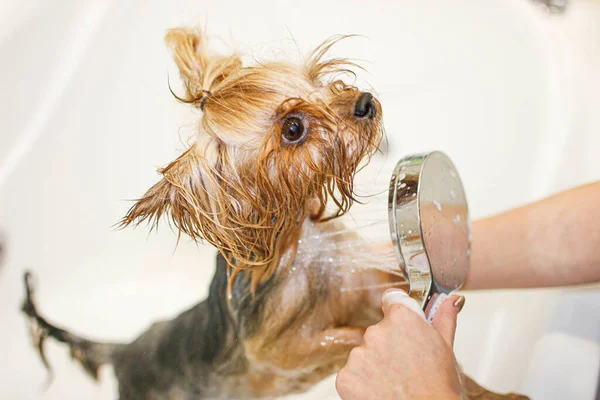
(276, 143)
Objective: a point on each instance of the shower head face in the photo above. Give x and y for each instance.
(429, 224)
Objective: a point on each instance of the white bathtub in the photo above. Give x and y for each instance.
(509, 92)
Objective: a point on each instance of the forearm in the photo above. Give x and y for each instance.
(553, 242)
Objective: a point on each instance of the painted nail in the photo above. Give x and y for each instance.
(459, 303)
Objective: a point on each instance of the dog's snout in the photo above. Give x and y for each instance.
(364, 106)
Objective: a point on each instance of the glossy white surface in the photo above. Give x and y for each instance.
(508, 92)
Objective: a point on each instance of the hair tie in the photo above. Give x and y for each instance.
(207, 94)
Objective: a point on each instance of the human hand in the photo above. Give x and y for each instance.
(403, 356)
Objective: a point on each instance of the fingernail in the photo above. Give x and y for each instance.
(398, 296)
(459, 303)
(393, 295)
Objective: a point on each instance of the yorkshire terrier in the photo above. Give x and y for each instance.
(276, 144)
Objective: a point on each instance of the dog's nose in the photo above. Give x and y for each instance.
(364, 106)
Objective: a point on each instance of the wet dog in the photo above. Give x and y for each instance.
(277, 143)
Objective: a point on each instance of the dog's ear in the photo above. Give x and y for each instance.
(181, 194)
(201, 70)
(200, 199)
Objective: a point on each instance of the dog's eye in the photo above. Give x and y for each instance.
(293, 130)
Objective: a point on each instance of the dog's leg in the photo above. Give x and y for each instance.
(296, 349)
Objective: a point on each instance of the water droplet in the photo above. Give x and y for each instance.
(330, 259)
(403, 185)
(452, 194)
(437, 205)
(323, 344)
(401, 177)
(456, 219)
(352, 270)
(409, 231)
(453, 174)
(454, 260)
(414, 194)
(468, 252)
(470, 229)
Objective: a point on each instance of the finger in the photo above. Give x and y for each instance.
(396, 296)
(445, 318)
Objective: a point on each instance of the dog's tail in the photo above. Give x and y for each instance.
(91, 355)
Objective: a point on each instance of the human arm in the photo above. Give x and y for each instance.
(552, 242)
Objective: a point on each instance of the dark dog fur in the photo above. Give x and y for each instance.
(257, 345)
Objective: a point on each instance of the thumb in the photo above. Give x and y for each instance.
(397, 296)
(445, 318)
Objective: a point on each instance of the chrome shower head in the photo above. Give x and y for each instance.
(429, 225)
